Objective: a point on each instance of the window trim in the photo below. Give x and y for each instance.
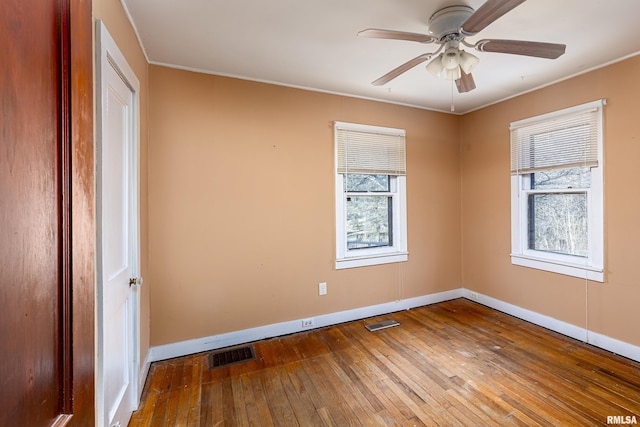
(346, 258)
(590, 267)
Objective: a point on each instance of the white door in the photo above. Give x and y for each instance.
(118, 254)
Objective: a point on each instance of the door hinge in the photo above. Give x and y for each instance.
(135, 281)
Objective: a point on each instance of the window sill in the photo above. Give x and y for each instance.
(367, 260)
(568, 269)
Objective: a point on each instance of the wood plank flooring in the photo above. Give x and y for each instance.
(447, 364)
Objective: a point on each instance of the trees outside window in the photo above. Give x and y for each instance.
(371, 224)
(557, 192)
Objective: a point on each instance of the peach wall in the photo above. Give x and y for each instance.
(608, 308)
(118, 25)
(241, 205)
(237, 211)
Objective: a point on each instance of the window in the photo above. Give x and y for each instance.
(557, 192)
(371, 219)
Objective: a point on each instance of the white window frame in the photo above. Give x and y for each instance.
(351, 258)
(590, 267)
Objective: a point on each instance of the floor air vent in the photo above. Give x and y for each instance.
(231, 356)
(382, 325)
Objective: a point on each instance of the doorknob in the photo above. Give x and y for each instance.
(135, 281)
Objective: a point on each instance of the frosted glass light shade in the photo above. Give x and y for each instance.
(451, 58)
(452, 74)
(468, 62)
(435, 67)
(450, 64)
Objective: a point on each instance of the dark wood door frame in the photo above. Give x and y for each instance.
(82, 212)
(66, 42)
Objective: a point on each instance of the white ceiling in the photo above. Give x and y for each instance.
(312, 44)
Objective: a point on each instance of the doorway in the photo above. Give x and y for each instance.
(117, 215)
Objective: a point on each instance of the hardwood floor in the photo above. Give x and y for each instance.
(452, 363)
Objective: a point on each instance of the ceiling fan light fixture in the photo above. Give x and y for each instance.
(468, 62)
(449, 27)
(435, 67)
(446, 65)
(451, 58)
(452, 73)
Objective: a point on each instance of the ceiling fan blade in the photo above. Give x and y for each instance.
(396, 35)
(401, 69)
(465, 83)
(518, 47)
(486, 14)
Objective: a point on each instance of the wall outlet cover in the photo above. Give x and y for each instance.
(322, 288)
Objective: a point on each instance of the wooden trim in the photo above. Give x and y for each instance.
(82, 220)
(66, 398)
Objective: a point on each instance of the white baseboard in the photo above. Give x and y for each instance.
(198, 345)
(213, 342)
(598, 340)
(144, 372)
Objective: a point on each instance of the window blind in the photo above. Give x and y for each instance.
(370, 150)
(566, 139)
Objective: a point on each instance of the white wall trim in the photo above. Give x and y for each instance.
(213, 342)
(143, 374)
(598, 340)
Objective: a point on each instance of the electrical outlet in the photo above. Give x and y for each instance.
(307, 323)
(322, 288)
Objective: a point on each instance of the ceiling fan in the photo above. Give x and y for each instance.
(449, 27)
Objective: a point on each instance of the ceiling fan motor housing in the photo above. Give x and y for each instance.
(448, 21)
